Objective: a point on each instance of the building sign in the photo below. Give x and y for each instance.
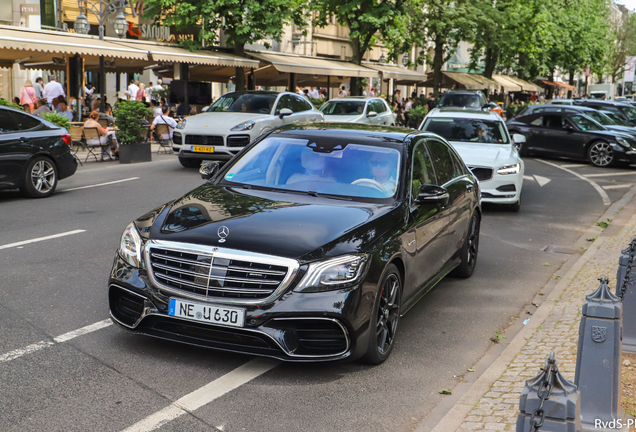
(149, 32)
(30, 9)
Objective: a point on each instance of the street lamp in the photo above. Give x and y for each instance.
(101, 9)
(406, 60)
(382, 59)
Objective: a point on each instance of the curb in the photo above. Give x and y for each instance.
(454, 418)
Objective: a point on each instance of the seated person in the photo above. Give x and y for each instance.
(64, 110)
(108, 114)
(42, 108)
(107, 135)
(164, 118)
(315, 165)
(482, 135)
(382, 168)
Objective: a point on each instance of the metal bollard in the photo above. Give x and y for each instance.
(598, 361)
(626, 290)
(549, 402)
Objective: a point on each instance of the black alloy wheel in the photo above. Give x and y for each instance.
(386, 315)
(190, 163)
(470, 249)
(40, 178)
(601, 154)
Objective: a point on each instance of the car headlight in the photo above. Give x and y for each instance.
(509, 169)
(130, 246)
(243, 126)
(623, 142)
(333, 274)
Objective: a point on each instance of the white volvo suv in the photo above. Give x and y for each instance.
(235, 120)
(482, 140)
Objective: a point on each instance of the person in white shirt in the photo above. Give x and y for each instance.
(314, 93)
(342, 92)
(133, 88)
(156, 110)
(154, 88)
(165, 119)
(53, 89)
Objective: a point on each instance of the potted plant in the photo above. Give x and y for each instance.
(58, 120)
(132, 133)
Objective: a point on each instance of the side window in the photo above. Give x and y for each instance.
(553, 122)
(300, 104)
(537, 122)
(458, 165)
(25, 122)
(370, 107)
(379, 106)
(422, 169)
(285, 101)
(7, 123)
(442, 162)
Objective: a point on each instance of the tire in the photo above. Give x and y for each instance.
(40, 178)
(190, 163)
(514, 208)
(522, 150)
(385, 317)
(600, 154)
(469, 250)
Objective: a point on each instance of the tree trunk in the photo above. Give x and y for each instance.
(571, 82)
(438, 61)
(550, 92)
(521, 71)
(354, 85)
(239, 78)
(492, 56)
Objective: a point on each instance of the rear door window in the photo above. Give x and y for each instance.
(25, 122)
(7, 123)
(442, 162)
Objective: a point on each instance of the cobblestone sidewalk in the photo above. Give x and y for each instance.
(556, 330)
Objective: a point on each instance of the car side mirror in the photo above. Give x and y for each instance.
(518, 138)
(568, 127)
(208, 169)
(285, 112)
(372, 114)
(432, 194)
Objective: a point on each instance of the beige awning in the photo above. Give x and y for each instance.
(313, 66)
(401, 75)
(506, 83)
(40, 49)
(462, 80)
(525, 85)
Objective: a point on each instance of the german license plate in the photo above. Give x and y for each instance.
(199, 149)
(233, 317)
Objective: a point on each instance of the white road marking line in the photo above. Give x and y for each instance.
(12, 355)
(620, 186)
(601, 192)
(205, 394)
(612, 174)
(39, 239)
(525, 177)
(99, 184)
(574, 165)
(542, 180)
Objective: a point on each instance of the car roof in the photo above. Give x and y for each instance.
(603, 102)
(353, 133)
(553, 107)
(464, 113)
(471, 92)
(560, 101)
(258, 92)
(353, 98)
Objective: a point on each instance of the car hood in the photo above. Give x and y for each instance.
(343, 118)
(624, 129)
(489, 155)
(269, 223)
(220, 120)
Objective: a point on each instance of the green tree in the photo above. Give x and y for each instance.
(242, 22)
(367, 20)
(620, 43)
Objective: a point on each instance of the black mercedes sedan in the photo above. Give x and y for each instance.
(573, 135)
(307, 246)
(34, 154)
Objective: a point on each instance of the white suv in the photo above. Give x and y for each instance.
(235, 120)
(482, 140)
(358, 109)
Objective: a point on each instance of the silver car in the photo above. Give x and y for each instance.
(358, 109)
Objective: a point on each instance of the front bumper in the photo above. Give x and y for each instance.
(298, 327)
(502, 189)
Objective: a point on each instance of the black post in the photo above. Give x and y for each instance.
(185, 77)
(291, 84)
(328, 86)
(79, 76)
(102, 84)
(251, 80)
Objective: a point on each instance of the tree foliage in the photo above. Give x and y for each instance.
(620, 43)
(241, 22)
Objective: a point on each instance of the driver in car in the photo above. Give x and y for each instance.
(482, 135)
(383, 175)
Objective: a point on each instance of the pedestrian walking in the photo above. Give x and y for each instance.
(156, 88)
(133, 88)
(141, 93)
(306, 93)
(371, 91)
(431, 102)
(28, 96)
(342, 92)
(314, 93)
(39, 87)
(53, 89)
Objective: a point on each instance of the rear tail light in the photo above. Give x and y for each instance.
(67, 139)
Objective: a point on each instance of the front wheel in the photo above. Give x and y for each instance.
(40, 178)
(190, 163)
(385, 317)
(601, 154)
(469, 250)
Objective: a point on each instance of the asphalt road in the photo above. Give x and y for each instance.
(104, 379)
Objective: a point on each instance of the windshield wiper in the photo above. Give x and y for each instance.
(315, 194)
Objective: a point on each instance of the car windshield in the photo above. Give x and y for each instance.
(629, 111)
(600, 117)
(467, 129)
(333, 169)
(586, 123)
(460, 100)
(244, 102)
(343, 108)
(616, 118)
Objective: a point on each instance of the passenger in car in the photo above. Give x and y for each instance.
(316, 169)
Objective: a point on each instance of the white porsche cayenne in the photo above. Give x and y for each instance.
(482, 140)
(235, 120)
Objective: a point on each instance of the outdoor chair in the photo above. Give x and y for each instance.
(92, 134)
(162, 131)
(77, 140)
(103, 123)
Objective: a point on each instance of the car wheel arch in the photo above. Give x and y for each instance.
(28, 162)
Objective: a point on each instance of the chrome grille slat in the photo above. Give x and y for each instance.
(233, 277)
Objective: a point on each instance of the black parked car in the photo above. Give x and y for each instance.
(308, 245)
(573, 135)
(625, 110)
(34, 153)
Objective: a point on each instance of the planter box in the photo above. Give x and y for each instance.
(133, 153)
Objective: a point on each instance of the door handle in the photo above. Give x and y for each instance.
(313, 118)
(296, 121)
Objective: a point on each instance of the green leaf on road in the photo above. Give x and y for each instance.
(591, 239)
(500, 336)
(547, 265)
(471, 370)
(445, 391)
